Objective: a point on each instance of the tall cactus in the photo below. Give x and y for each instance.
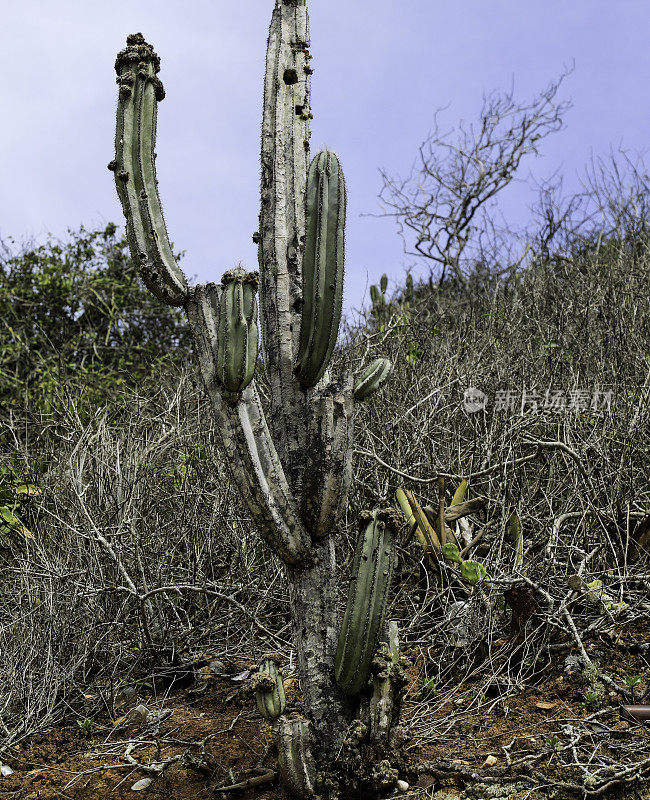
(293, 471)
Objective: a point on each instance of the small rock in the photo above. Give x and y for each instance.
(138, 786)
(124, 694)
(5, 770)
(490, 761)
(402, 786)
(139, 714)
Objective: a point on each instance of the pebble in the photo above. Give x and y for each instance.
(138, 786)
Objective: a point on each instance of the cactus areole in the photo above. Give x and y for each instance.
(291, 456)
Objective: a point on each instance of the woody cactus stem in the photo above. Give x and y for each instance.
(285, 159)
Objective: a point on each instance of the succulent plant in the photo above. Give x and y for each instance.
(237, 333)
(269, 689)
(291, 457)
(372, 378)
(292, 737)
(372, 572)
(322, 269)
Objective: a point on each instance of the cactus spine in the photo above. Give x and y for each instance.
(372, 378)
(323, 263)
(268, 688)
(372, 572)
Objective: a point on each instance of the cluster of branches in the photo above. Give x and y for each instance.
(76, 313)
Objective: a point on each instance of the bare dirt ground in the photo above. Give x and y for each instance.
(202, 739)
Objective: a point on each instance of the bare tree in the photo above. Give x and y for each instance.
(439, 206)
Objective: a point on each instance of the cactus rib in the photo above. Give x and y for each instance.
(372, 378)
(372, 571)
(135, 173)
(323, 264)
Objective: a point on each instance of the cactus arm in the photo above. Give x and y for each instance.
(135, 173)
(328, 469)
(367, 599)
(269, 689)
(295, 761)
(285, 143)
(237, 336)
(245, 440)
(388, 681)
(323, 265)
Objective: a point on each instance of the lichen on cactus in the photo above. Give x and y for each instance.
(135, 173)
(269, 689)
(293, 741)
(372, 572)
(237, 334)
(388, 682)
(323, 265)
(372, 378)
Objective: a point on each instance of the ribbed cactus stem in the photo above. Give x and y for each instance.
(293, 741)
(389, 679)
(372, 572)
(135, 173)
(237, 336)
(323, 265)
(269, 690)
(372, 378)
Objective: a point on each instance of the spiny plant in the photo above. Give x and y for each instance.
(292, 461)
(378, 297)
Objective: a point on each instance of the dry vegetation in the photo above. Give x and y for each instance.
(136, 558)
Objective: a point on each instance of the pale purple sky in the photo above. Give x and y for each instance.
(381, 70)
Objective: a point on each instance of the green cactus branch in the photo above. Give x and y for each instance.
(135, 174)
(323, 266)
(368, 594)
